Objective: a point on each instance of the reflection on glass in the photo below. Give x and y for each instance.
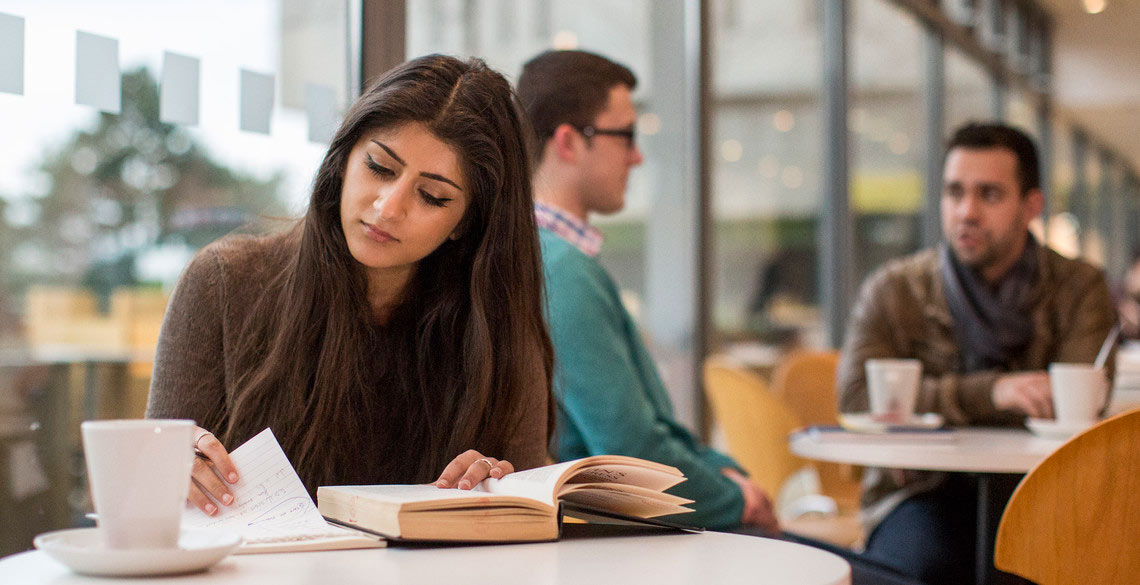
(969, 91)
(1089, 215)
(887, 146)
(1022, 113)
(1063, 178)
(766, 175)
(100, 212)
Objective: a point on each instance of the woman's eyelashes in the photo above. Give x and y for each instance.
(376, 168)
(385, 172)
(433, 200)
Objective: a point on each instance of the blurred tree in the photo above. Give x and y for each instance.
(127, 186)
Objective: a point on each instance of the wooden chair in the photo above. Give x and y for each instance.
(756, 424)
(1076, 517)
(805, 380)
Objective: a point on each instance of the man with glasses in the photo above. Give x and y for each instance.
(610, 397)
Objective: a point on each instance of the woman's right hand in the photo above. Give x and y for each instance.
(210, 454)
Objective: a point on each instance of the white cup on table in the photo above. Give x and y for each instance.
(139, 472)
(892, 386)
(1079, 392)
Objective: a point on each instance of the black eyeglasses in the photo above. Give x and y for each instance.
(629, 134)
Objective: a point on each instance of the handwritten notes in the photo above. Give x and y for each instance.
(270, 502)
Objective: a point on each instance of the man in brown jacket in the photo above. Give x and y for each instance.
(985, 312)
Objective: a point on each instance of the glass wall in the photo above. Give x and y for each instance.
(1022, 113)
(1062, 228)
(888, 129)
(103, 205)
(1093, 234)
(969, 90)
(766, 168)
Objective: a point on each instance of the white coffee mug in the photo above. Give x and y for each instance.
(1079, 392)
(892, 385)
(139, 472)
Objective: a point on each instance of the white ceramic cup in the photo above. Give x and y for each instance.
(139, 471)
(892, 385)
(1079, 392)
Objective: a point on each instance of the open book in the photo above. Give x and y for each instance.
(523, 506)
(272, 510)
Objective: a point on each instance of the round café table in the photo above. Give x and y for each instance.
(979, 451)
(706, 558)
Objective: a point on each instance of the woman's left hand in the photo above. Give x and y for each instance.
(470, 468)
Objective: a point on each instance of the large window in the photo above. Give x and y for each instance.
(1090, 216)
(766, 166)
(103, 208)
(887, 124)
(1022, 113)
(1062, 228)
(969, 91)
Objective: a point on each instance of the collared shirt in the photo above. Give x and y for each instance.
(580, 234)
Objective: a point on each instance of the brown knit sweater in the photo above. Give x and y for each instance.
(194, 369)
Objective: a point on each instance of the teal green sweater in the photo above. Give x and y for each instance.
(610, 398)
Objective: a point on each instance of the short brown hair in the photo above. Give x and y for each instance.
(567, 87)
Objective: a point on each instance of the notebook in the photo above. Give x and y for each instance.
(272, 511)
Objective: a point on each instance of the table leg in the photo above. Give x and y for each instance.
(994, 491)
(983, 553)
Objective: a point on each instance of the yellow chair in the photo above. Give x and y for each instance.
(756, 425)
(1075, 518)
(805, 380)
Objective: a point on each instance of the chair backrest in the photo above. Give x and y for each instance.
(805, 381)
(1075, 518)
(755, 422)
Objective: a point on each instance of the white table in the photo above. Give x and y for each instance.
(661, 559)
(977, 450)
(981, 451)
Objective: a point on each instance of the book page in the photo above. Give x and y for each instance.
(545, 483)
(270, 502)
(624, 499)
(406, 494)
(537, 484)
(622, 473)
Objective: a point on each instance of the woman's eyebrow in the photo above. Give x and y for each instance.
(441, 178)
(393, 154)
(390, 152)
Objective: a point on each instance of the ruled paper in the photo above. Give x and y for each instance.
(270, 502)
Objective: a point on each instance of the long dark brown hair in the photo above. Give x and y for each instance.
(448, 369)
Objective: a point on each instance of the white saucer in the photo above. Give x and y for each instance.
(82, 550)
(1051, 429)
(865, 422)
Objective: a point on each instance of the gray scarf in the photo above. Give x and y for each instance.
(992, 324)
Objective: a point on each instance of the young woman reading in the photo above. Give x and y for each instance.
(398, 326)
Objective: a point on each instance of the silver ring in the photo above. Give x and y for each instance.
(199, 439)
(490, 465)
